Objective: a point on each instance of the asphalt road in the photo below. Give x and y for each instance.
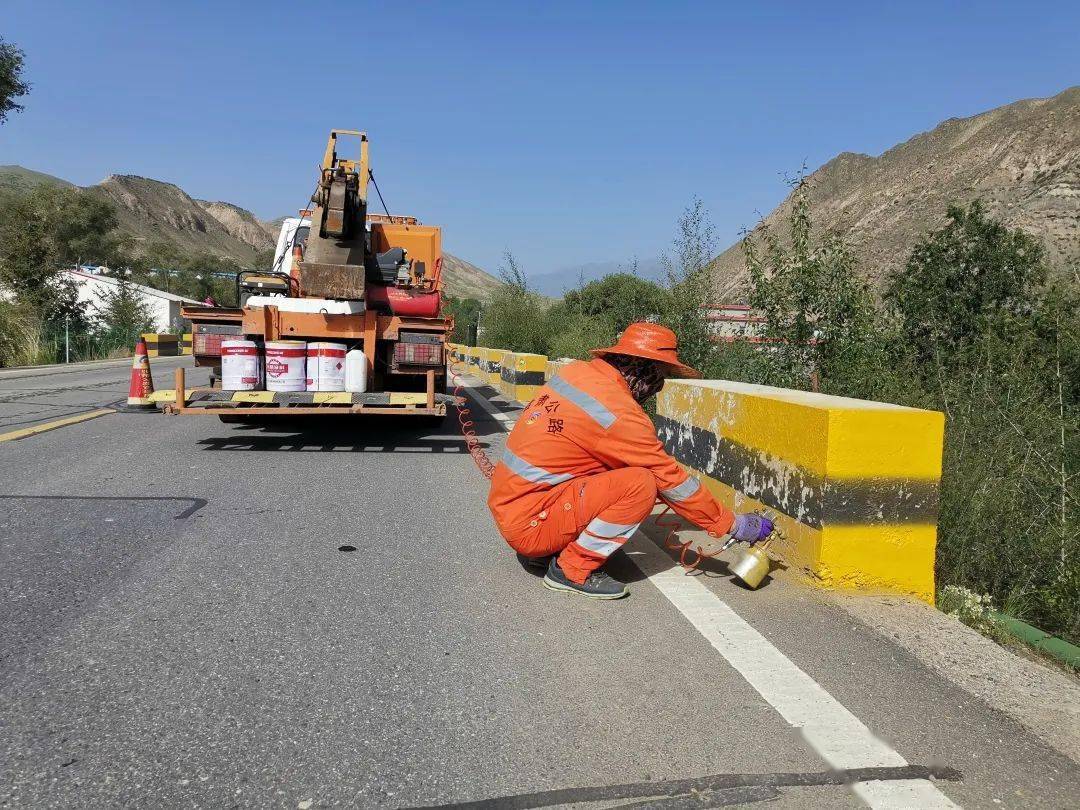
(179, 626)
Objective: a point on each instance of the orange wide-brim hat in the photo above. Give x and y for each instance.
(653, 342)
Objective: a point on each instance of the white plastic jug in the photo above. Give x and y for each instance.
(356, 371)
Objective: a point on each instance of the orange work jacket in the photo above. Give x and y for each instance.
(583, 422)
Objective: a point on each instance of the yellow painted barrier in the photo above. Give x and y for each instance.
(855, 483)
(522, 375)
(491, 365)
(162, 344)
(472, 359)
(506, 375)
(551, 368)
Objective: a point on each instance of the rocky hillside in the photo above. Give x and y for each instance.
(464, 280)
(153, 211)
(1022, 160)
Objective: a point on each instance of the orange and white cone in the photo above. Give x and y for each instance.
(142, 384)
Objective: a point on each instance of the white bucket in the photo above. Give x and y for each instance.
(286, 364)
(326, 366)
(241, 365)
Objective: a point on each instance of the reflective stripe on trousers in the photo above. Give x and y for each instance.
(601, 537)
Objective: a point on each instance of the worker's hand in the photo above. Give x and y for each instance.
(750, 528)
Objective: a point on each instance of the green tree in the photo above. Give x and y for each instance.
(12, 85)
(998, 351)
(515, 317)
(690, 284)
(46, 230)
(596, 312)
(124, 315)
(970, 277)
(465, 312)
(819, 313)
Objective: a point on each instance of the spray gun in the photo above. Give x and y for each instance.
(754, 563)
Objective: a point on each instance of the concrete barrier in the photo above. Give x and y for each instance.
(472, 359)
(490, 366)
(855, 483)
(162, 344)
(551, 368)
(522, 375)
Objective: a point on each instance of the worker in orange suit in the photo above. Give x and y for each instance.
(583, 467)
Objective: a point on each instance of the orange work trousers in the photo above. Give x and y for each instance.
(587, 519)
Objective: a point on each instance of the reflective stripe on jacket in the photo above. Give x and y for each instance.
(585, 421)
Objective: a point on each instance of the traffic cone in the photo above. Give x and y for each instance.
(142, 384)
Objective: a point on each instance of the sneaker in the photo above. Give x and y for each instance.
(535, 565)
(598, 586)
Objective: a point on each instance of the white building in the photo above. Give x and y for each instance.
(163, 307)
(729, 322)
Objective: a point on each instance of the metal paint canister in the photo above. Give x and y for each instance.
(326, 366)
(286, 365)
(752, 566)
(241, 365)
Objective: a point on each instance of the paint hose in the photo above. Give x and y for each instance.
(468, 428)
(671, 541)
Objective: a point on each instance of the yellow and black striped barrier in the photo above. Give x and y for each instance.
(854, 483)
(164, 344)
(490, 365)
(521, 375)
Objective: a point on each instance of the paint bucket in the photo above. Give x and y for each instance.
(326, 366)
(241, 365)
(752, 566)
(286, 365)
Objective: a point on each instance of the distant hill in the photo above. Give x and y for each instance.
(557, 282)
(464, 280)
(16, 178)
(1022, 160)
(153, 211)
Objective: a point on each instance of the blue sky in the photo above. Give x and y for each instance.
(565, 132)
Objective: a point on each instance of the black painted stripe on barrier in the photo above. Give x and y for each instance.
(796, 492)
(515, 377)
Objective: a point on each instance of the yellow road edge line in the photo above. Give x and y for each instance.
(59, 423)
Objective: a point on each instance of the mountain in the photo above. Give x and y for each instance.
(462, 279)
(154, 211)
(1022, 160)
(20, 180)
(557, 282)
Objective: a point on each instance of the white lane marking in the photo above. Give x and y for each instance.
(834, 733)
(838, 736)
(479, 398)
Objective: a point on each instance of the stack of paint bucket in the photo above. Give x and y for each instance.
(285, 365)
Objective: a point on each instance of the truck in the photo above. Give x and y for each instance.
(340, 274)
